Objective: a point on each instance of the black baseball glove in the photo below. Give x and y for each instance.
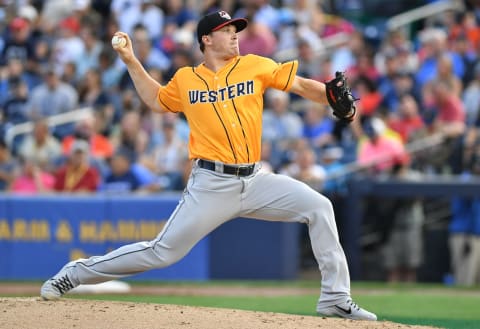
(340, 97)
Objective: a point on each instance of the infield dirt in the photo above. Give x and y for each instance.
(33, 312)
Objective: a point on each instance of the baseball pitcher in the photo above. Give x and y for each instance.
(222, 99)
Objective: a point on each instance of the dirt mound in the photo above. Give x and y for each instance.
(23, 313)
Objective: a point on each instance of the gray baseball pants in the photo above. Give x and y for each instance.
(213, 198)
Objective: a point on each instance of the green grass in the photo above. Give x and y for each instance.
(420, 304)
(440, 311)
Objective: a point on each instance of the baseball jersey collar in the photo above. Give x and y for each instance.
(202, 68)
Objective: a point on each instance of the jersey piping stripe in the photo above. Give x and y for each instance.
(159, 97)
(236, 112)
(107, 260)
(289, 75)
(219, 117)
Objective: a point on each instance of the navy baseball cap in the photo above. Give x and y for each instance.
(215, 21)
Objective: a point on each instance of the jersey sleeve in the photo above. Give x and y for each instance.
(169, 96)
(282, 75)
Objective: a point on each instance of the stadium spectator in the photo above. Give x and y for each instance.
(16, 70)
(68, 46)
(179, 23)
(370, 98)
(395, 82)
(100, 146)
(279, 122)
(404, 83)
(381, 150)
(318, 125)
(304, 166)
(308, 60)
(19, 43)
(14, 107)
(407, 121)
(465, 27)
(41, 147)
(126, 13)
(121, 178)
(130, 13)
(179, 14)
(449, 110)
(69, 74)
(53, 12)
(467, 53)
(31, 179)
(397, 47)
(257, 39)
(433, 46)
(333, 25)
(152, 124)
(445, 73)
(90, 57)
(51, 97)
(90, 90)
(43, 54)
(364, 66)
(130, 135)
(344, 54)
(168, 156)
(77, 175)
(30, 13)
(280, 125)
(260, 11)
(92, 94)
(152, 17)
(287, 36)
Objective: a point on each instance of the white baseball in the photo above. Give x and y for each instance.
(118, 41)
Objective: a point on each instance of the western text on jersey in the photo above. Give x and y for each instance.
(222, 94)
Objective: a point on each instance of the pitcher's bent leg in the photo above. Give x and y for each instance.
(196, 215)
(292, 201)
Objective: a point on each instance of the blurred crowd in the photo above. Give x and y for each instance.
(414, 84)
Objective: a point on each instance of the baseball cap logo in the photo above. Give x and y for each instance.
(224, 14)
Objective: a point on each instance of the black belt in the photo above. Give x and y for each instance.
(240, 170)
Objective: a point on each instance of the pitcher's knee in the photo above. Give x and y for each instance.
(166, 256)
(324, 204)
(323, 210)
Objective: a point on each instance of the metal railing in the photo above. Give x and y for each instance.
(52, 121)
(423, 12)
(395, 22)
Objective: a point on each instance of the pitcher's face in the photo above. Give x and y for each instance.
(225, 41)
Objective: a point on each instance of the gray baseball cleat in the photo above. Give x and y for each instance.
(55, 287)
(347, 310)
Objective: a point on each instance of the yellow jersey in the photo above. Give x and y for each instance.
(224, 108)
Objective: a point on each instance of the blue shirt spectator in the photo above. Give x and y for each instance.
(122, 178)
